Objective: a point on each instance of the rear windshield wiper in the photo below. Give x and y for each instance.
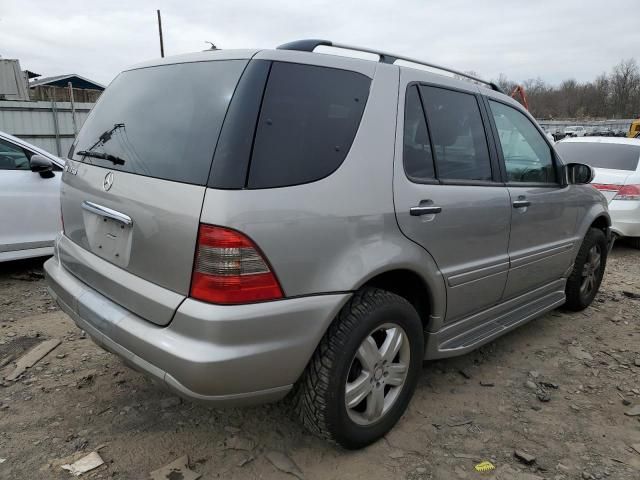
(103, 156)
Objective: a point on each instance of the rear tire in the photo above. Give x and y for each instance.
(588, 270)
(351, 364)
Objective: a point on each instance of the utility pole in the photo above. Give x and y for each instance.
(160, 33)
(73, 110)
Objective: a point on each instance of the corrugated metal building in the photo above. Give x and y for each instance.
(57, 88)
(49, 120)
(13, 82)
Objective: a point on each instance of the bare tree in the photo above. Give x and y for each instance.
(504, 83)
(625, 83)
(616, 95)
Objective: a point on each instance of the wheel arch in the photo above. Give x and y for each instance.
(601, 222)
(411, 286)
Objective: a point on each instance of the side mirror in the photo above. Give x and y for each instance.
(579, 173)
(41, 165)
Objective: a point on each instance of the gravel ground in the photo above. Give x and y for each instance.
(558, 389)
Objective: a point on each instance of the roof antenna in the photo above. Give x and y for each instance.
(213, 47)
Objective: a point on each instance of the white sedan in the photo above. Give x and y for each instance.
(616, 162)
(29, 199)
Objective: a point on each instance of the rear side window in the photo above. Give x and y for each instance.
(161, 121)
(458, 134)
(307, 123)
(600, 155)
(418, 158)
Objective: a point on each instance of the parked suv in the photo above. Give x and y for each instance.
(245, 224)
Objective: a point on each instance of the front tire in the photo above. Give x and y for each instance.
(588, 270)
(364, 372)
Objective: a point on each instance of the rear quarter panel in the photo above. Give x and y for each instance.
(334, 234)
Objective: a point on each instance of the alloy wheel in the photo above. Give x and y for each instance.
(591, 271)
(377, 374)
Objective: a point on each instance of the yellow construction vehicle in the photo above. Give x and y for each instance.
(634, 129)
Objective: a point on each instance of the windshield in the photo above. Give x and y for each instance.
(600, 155)
(160, 121)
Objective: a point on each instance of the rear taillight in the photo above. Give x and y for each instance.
(628, 192)
(606, 187)
(230, 269)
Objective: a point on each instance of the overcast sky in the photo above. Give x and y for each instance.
(523, 39)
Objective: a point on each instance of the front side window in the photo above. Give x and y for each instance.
(418, 158)
(13, 157)
(527, 155)
(458, 135)
(307, 123)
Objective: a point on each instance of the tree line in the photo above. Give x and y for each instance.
(612, 95)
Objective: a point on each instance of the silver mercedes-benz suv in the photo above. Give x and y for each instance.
(247, 223)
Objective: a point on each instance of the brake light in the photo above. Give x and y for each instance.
(606, 187)
(628, 192)
(230, 269)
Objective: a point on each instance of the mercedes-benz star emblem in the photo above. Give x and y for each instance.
(108, 181)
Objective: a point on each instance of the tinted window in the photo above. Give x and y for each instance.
(161, 121)
(233, 152)
(418, 158)
(527, 155)
(13, 157)
(600, 155)
(307, 123)
(458, 135)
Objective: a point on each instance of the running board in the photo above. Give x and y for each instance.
(470, 333)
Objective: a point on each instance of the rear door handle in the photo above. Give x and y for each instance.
(107, 212)
(521, 203)
(424, 210)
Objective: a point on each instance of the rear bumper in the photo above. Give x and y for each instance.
(625, 217)
(223, 355)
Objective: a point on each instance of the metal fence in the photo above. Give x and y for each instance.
(48, 125)
(559, 125)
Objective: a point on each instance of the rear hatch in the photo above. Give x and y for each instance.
(133, 189)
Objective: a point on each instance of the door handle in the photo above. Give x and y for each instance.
(521, 203)
(107, 212)
(424, 210)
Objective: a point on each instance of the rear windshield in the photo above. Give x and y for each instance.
(161, 121)
(600, 155)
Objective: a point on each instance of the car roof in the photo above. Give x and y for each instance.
(321, 58)
(619, 140)
(206, 55)
(10, 138)
(365, 67)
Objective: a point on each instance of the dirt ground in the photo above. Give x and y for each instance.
(559, 389)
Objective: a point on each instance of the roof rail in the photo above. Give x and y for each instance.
(309, 45)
